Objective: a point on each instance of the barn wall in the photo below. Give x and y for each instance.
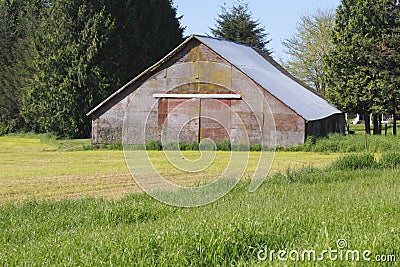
(321, 128)
(106, 129)
(290, 127)
(197, 69)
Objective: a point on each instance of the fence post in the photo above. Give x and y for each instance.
(365, 142)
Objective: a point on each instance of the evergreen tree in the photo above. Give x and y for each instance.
(356, 75)
(237, 24)
(144, 32)
(69, 77)
(385, 58)
(18, 19)
(86, 50)
(308, 47)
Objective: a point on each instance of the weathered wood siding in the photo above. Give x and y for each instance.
(321, 128)
(197, 69)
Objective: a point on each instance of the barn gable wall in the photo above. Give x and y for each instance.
(197, 69)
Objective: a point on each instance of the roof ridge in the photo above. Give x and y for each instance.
(221, 39)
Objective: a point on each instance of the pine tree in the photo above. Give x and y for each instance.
(84, 51)
(68, 77)
(18, 19)
(237, 24)
(144, 32)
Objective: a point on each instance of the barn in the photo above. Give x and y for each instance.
(216, 89)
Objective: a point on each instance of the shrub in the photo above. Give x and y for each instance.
(224, 146)
(354, 162)
(134, 147)
(167, 146)
(154, 145)
(240, 147)
(256, 147)
(310, 143)
(3, 129)
(115, 146)
(390, 160)
(191, 145)
(209, 146)
(90, 147)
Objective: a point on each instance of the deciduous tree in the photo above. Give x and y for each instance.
(307, 48)
(358, 69)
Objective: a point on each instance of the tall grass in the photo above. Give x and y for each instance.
(340, 169)
(356, 199)
(355, 162)
(390, 160)
(336, 143)
(306, 209)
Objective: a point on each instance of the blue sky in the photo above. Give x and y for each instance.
(279, 17)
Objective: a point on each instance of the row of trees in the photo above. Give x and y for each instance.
(363, 65)
(352, 57)
(58, 59)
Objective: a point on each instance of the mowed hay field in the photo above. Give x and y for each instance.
(301, 210)
(31, 169)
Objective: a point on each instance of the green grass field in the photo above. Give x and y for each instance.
(64, 206)
(32, 169)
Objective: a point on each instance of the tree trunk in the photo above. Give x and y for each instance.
(375, 121)
(367, 121)
(394, 117)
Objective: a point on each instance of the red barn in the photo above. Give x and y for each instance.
(212, 88)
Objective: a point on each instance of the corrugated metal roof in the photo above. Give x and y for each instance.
(296, 96)
(262, 70)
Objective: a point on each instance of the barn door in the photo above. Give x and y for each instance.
(178, 119)
(192, 120)
(215, 119)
